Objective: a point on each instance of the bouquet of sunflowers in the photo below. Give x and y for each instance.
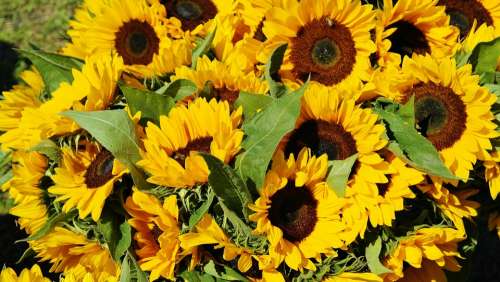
(258, 140)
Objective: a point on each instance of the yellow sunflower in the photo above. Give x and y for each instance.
(330, 122)
(426, 252)
(297, 212)
(22, 96)
(464, 14)
(451, 110)
(27, 275)
(413, 27)
(170, 154)
(134, 30)
(67, 250)
(85, 178)
(454, 205)
(492, 174)
(81, 274)
(92, 89)
(157, 233)
(494, 223)
(28, 170)
(328, 40)
(354, 277)
(208, 232)
(482, 33)
(227, 80)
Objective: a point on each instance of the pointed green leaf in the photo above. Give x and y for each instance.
(116, 132)
(407, 111)
(263, 134)
(223, 272)
(372, 253)
(150, 104)
(252, 103)
(180, 89)
(201, 211)
(484, 59)
(116, 232)
(338, 175)
(48, 148)
(202, 48)
(271, 74)
(50, 224)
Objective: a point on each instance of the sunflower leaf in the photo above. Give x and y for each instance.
(407, 111)
(372, 253)
(252, 103)
(196, 276)
(202, 48)
(419, 150)
(484, 60)
(228, 186)
(130, 270)
(48, 148)
(54, 68)
(116, 132)
(271, 74)
(338, 174)
(223, 272)
(150, 104)
(201, 211)
(180, 89)
(263, 132)
(52, 221)
(116, 232)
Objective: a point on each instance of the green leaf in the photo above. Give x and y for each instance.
(180, 89)
(202, 48)
(264, 132)
(338, 174)
(484, 59)
(372, 253)
(150, 104)
(418, 149)
(252, 103)
(116, 232)
(116, 132)
(241, 227)
(5, 167)
(196, 276)
(130, 270)
(54, 68)
(223, 272)
(50, 224)
(125, 270)
(201, 211)
(462, 58)
(48, 148)
(271, 74)
(407, 111)
(228, 186)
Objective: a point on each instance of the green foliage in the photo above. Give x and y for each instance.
(264, 132)
(271, 74)
(202, 48)
(117, 233)
(116, 132)
(50, 224)
(130, 270)
(223, 272)
(338, 174)
(252, 103)
(180, 89)
(484, 60)
(372, 254)
(198, 214)
(150, 104)
(48, 148)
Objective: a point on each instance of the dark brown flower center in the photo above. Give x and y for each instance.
(198, 145)
(100, 170)
(293, 210)
(156, 232)
(259, 34)
(191, 13)
(322, 137)
(324, 49)
(224, 94)
(408, 39)
(464, 12)
(439, 113)
(136, 42)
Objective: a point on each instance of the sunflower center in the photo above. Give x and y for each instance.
(322, 138)
(199, 145)
(463, 13)
(439, 113)
(323, 49)
(408, 39)
(224, 94)
(100, 170)
(156, 232)
(293, 210)
(259, 34)
(191, 13)
(136, 42)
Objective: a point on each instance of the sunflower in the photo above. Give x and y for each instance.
(226, 80)
(492, 174)
(453, 205)
(170, 149)
(67, 250)
(134, 30)
(27, 275)
(80, 274)
(92, 89)
(425, 252)
(22, 96)
(451, 110)
(208, 232)
(28, 169)
(464, 14)
(190, 18)
(331, 123)
(354, 277)
(329, 40)
(483, 33)
(85, 178)
(413, 27)
(297, 211)
(157, 233)
(494, 223)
